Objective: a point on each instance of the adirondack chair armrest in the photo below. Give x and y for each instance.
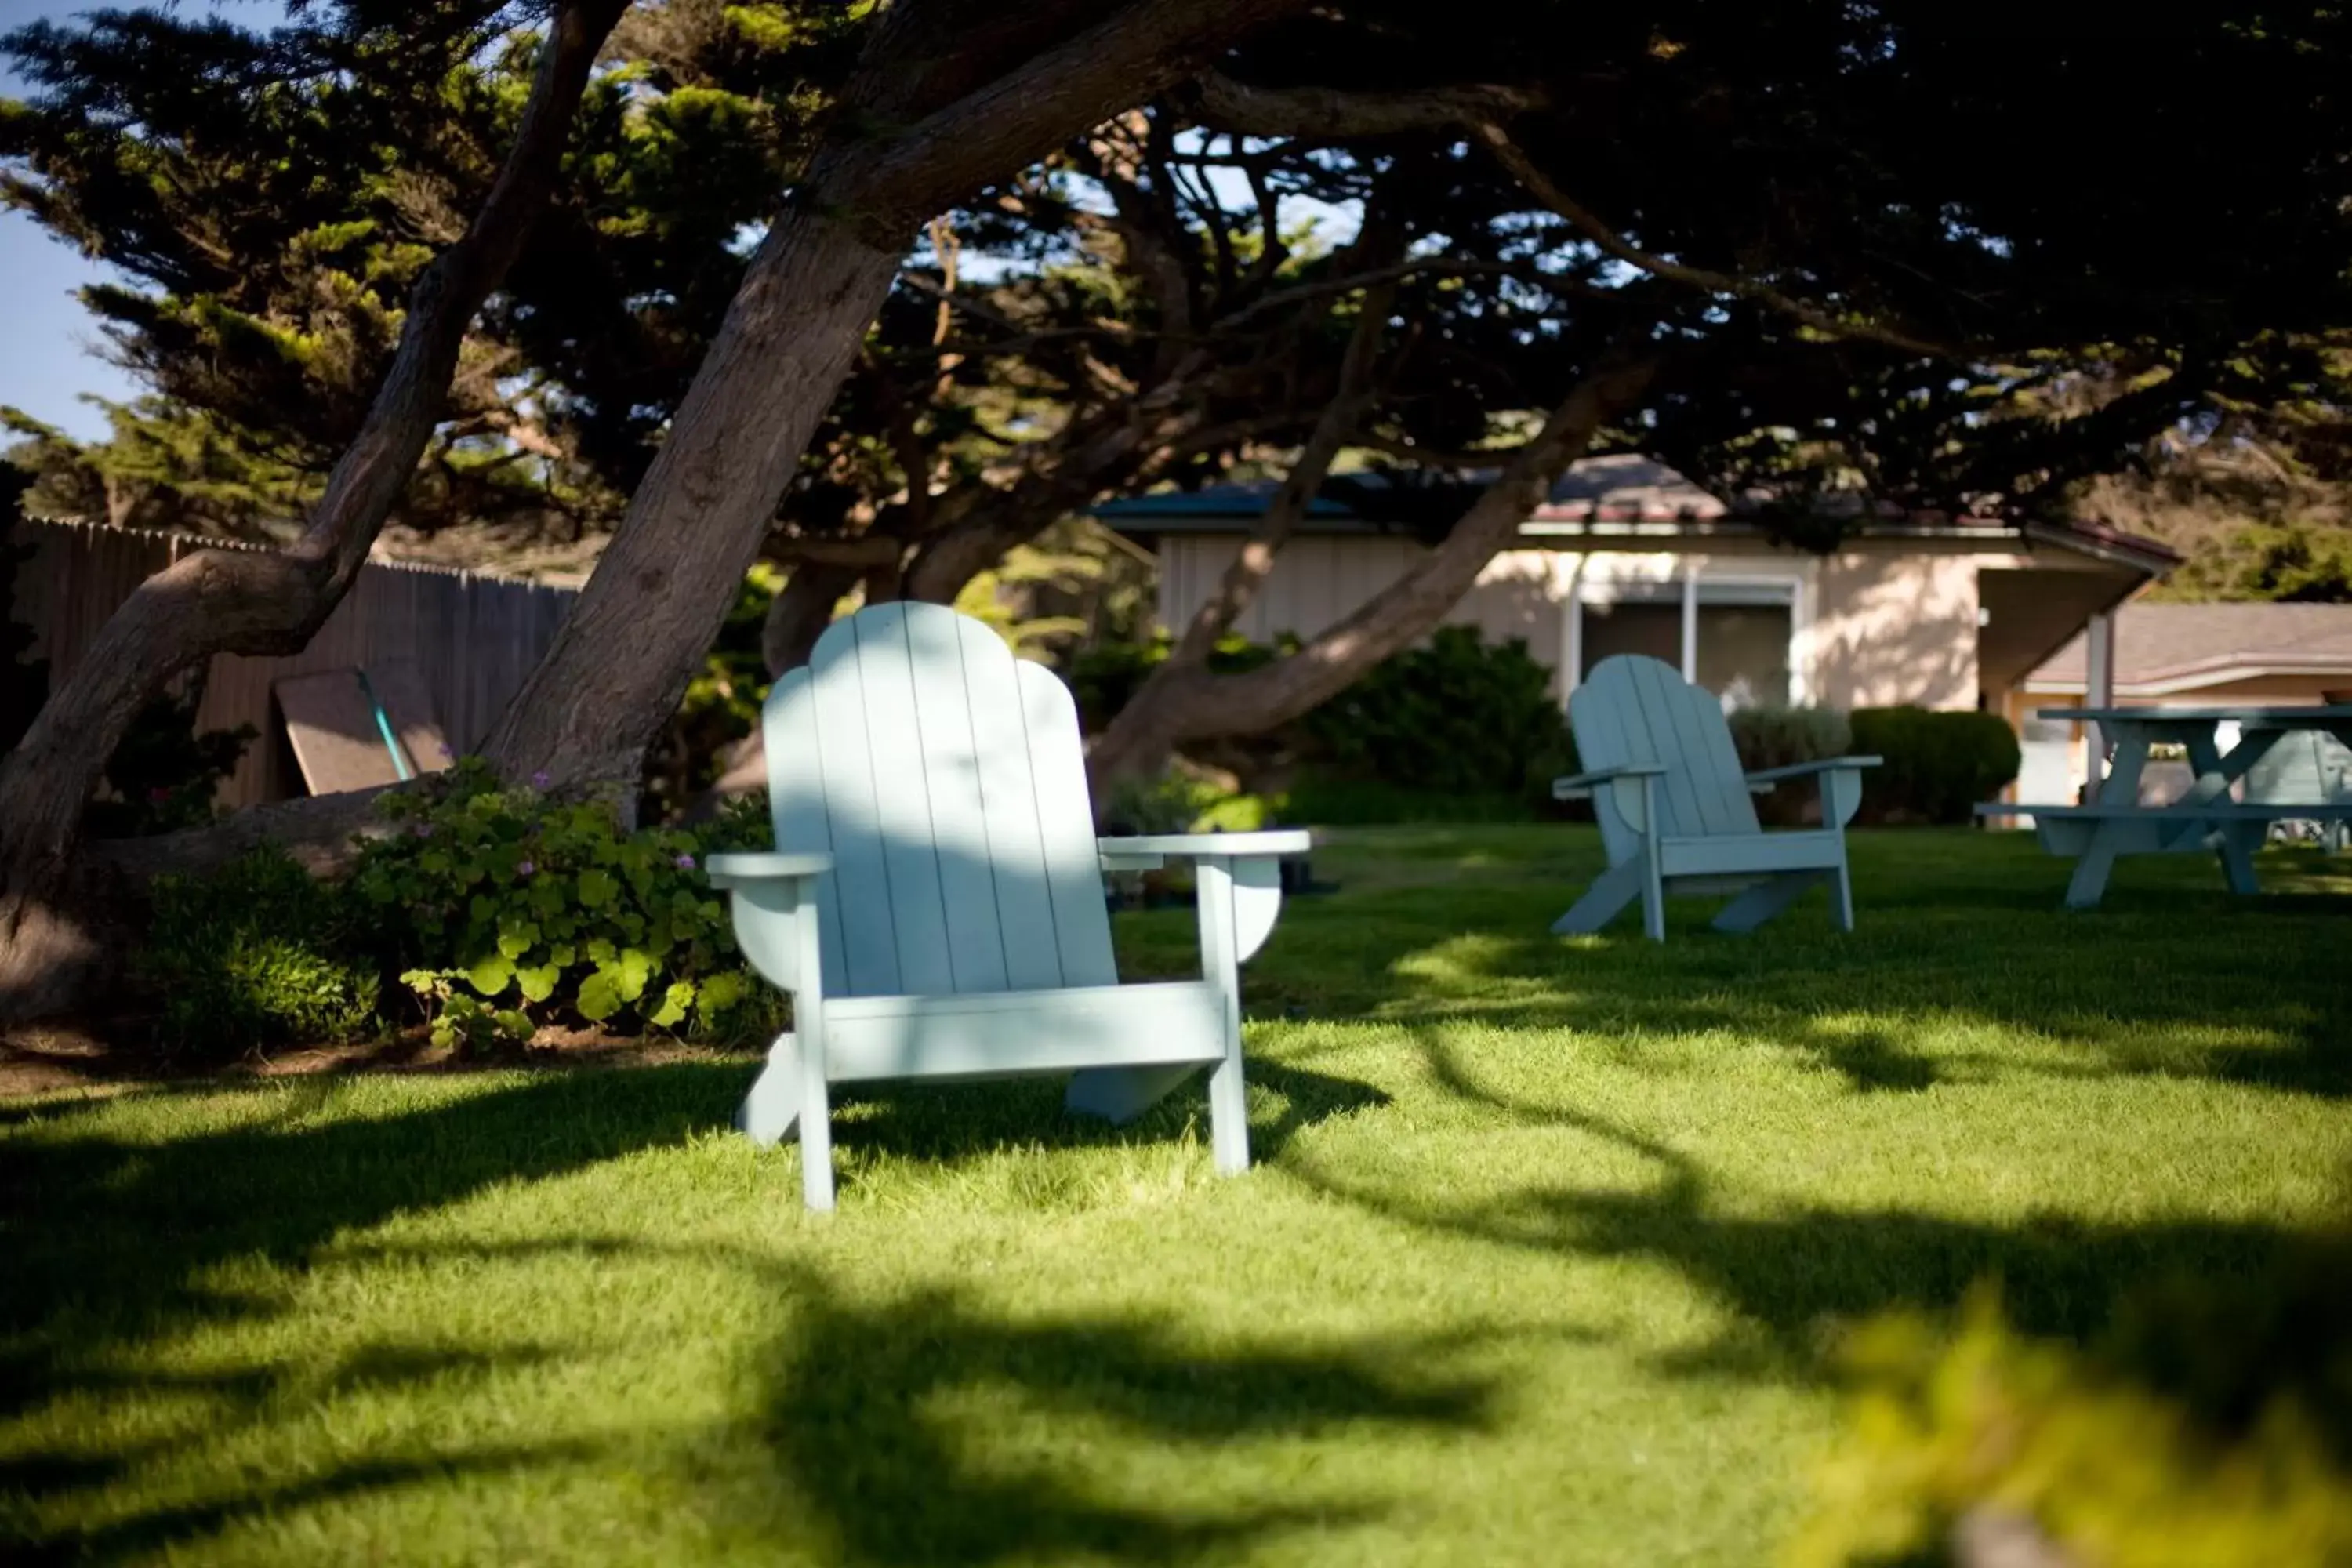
(1839, 779)
(771, 898)
(743, 869)
(1248, 872)
(1808, 770)
(1150, 851)
(1580, 786)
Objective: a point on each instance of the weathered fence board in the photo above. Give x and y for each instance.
(473, 638)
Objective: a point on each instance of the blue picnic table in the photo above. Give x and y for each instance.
(2205, 816)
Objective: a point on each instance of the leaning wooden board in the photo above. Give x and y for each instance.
(357, 728)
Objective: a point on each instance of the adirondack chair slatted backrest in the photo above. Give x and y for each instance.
(1636, 710)
(946, 779)
(2302, 769)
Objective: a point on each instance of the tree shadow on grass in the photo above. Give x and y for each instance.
(858, 1418)
(111, 1245)
(109, 1241)
(931, 1427)
(1795, 1275)
(2207, 988)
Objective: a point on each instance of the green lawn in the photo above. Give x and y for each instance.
(1539, 1265)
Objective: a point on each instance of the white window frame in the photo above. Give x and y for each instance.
(1687, 582)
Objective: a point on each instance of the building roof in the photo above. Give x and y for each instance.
(1622, 494)
(2161, 650)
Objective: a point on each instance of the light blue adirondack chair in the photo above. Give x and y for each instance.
(2305, 768)
(935, 902)
(1674, 808)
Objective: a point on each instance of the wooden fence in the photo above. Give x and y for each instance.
(473, 638)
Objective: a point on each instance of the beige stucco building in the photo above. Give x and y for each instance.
(1627, 556)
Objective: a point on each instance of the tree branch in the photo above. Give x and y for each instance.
(1458, 266)
(1350, 399)
(1541, 185)
(1327, 114)
(1139, 51)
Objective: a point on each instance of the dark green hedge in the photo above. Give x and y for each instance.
(1939, 765)
(1456, 729)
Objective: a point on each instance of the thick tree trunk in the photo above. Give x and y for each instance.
(1195, 705)
(625, 656)
(253, 603)
(798, 615)
(621, 663)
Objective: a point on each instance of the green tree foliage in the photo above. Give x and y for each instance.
(2259, 504)
(272, 195)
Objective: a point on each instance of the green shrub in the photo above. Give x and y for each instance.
(1937, 765)
(258, 953)
(165, 775)
(1458, 716)
(1457, 729)
(1330, 801)
(506, 910)
(1176, 802)
(2209, 1426)
(1777, 737)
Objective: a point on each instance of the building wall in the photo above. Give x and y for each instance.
(1896, 626)
(1882, 622)
(474, 639)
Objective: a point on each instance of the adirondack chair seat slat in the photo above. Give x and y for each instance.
(1766, 852)
(934, 903)
(1012, 1033)
(1676, 811)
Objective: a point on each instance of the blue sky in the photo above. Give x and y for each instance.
(48, 341)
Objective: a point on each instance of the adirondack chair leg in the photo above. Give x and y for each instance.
(1604, 901)
(768, 1113)
(816, 1133)
(1767, 899)
(1653, 894)
(1221, 967)
(1841, 894)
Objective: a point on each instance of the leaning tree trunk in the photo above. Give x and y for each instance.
(264, 602)
(631, 644)
(1196, 705)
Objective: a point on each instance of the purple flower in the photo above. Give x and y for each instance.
(686, 862)
(524, 868)
(539, 779)
(421, 829)
(447, 754)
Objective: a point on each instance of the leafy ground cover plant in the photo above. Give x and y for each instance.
(506, 908)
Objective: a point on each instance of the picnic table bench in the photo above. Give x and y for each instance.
(2205, 817)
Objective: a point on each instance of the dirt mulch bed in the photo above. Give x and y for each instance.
(45, 1059)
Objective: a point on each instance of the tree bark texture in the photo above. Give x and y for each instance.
(623, 660)
(252, 603)
(1194, 704)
